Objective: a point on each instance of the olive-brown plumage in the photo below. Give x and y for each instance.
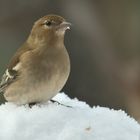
(40, 68)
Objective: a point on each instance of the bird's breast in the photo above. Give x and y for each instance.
(50, 74)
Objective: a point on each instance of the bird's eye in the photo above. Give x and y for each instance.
(48, 23)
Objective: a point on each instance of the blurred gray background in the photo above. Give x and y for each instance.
(103, 44)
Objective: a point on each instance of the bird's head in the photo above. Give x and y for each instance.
(49, 28)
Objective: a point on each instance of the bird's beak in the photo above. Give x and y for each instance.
(65, 25)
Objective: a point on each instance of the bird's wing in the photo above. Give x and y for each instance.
(12, 71)
(8, 77)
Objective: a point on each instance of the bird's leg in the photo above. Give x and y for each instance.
(54, 101)
(32, 104)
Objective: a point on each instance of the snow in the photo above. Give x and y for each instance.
(50, 121)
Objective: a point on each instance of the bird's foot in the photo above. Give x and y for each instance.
(54, 101)
(32, 104)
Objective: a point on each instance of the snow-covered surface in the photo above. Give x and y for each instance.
(51, 121)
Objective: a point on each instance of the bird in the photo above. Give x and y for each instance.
(41, 66)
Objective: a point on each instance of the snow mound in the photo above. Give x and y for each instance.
(51, 121)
